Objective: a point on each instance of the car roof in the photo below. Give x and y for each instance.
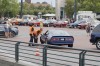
(56, 32)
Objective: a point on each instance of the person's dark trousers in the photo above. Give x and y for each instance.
(31, 39)
(35, 39)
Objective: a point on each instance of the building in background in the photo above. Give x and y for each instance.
(28, 1)
(60, 14)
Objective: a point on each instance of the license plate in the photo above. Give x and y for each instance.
(62, 39)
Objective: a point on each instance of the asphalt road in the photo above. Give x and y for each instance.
(81, 42)
(81, 38)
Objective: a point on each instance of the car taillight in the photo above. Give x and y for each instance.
(55, 39)
(69, 39)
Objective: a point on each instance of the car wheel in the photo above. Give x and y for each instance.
(98, 44)
(70, 45)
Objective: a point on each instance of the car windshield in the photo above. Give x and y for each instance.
(97, 29)
(58, 33)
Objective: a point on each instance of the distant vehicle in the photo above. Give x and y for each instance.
(81, 15)
(75, 24)
(23, 23)
(82, 25)
(46, 23)
(36, 22)
(95, 37)
(52, 21)
(14, 30)
(15, 21)
(57, 37)
(60, 24)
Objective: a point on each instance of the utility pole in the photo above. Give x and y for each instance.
(75, 7)
(21, 9)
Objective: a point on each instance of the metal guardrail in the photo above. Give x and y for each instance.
(49, 55)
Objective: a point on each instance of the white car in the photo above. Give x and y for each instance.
(93, 25)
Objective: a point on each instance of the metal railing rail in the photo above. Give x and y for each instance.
(49, 55)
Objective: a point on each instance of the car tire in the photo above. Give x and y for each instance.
(98, 44)
(70, 45)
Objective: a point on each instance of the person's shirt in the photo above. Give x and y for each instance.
(7, 25)
(37, 32)
(31, 30)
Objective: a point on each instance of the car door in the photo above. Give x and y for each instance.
(44, 36)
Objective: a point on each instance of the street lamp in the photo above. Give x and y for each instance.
(75, 6)
(21, 9)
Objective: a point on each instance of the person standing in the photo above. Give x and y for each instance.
(88, 28)
(31, 35)
(10, 31)
(36, 34)
(7, 29)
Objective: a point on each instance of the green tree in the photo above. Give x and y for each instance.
(9, 7)
(82, 5)
(33, 9)
(69, 8)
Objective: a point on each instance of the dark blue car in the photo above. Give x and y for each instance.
(95, 36)
(57, 37)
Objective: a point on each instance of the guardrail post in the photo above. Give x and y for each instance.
(17, 51)
(82, 58)
(45, 56)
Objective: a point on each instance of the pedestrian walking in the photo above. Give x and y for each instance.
(88, 29)
(31, 34)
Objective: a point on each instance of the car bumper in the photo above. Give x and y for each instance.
(60, 43)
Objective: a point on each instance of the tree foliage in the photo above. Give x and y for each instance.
(69, 8)
(12, 8)
(82, 5)
(9, 7)
(32, 9)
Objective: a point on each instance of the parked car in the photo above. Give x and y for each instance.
(14, 30)
(95, 37)
(24, 22)
(57, 37)
(75, 24)
(15, 21)
(60, 24)
(36, 23)
(32, 22)
(46, 23)
(52, 22)
(83, 25)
